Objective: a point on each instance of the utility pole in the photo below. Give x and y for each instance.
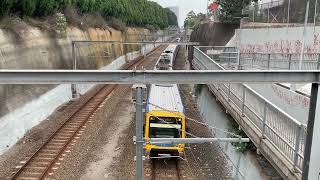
(311, 166)
(138, 96)
(74, 92)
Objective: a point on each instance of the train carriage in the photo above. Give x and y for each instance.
(167, 58)
(165, 118)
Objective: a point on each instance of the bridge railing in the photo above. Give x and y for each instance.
(283, 131)
(310, 61)
(230, 58)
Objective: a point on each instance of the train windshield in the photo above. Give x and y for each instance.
(164, 133)
(165, 127)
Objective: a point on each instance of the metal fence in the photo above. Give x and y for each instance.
(283, 12)
(279, 61)
(283, 131)
(230, 58)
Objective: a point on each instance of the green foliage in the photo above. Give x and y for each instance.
(232, 10)
(193, 19)
(61, 24)
(27, 7)
(45, 8)
(5, 6)
(131, 12)
(240, 147)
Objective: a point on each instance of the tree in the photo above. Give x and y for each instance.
(5, 7)
(193, 19)
(232, 9)
(26, 7)
(132, 12)
(46, 8)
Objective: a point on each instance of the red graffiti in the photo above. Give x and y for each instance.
(295, 100)
(283, 46)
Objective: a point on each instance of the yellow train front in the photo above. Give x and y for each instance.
(165, 118)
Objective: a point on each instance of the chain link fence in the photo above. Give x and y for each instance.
(282, 13)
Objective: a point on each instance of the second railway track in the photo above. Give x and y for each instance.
(46, 159)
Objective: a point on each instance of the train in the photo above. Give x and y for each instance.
(166, 59)
(165, 113)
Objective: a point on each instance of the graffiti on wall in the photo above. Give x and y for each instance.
(283, 46)
(292, 99)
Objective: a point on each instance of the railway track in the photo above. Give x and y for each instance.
(158, 169)
(48, 157)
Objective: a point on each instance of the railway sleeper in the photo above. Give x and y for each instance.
(59, 143)
(26, 173)
(44, 158)
(28, 178)
(69, 127)
(35, 168)
(37, 162)
(66, 133)
(53, 147)
(49, 151)
(59, 140)
(47, 155)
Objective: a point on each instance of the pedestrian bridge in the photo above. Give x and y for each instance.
(277, 135)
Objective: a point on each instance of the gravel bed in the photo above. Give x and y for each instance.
(35, 137)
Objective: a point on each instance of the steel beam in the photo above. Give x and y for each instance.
(153, 76)
(193, 140)
(139, 42)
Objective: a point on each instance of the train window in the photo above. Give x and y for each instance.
(164, 133)
(165, 120)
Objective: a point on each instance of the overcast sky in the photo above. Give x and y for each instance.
(185, 6)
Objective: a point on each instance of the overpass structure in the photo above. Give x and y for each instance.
(279, 137)
(276, 134)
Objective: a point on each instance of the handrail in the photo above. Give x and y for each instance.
(257, 94)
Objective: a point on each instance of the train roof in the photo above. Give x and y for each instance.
(171, 48)
(164, 98)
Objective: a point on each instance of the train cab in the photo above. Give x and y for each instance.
(165, 118)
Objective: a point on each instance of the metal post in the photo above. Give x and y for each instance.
(229, 91)
(154, 39)
(139, 132)
(269, 59)
(141, 49)
(264, 120)
(239, 46)
(125, 48)
(74, 67)
(304, 34)
(310, 126)
(318, 63)
(288, 16)
(254, 8)
(144, 49)
(290, 61)
(229, 62)
(296, 147)
(268, 13)
(315, 14)
(243, 100)
(114, 56)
